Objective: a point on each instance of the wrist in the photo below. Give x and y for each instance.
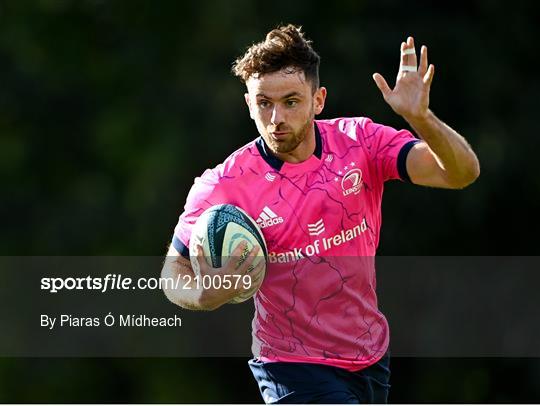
(421, 119)
(211, 299)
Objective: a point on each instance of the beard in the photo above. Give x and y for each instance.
(292, 142)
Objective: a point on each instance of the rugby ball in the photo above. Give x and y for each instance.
(219, 230)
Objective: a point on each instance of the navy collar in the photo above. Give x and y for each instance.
(277, 163)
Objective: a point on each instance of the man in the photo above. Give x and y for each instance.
(315, 188)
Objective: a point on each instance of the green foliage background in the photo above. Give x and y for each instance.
(109, 109)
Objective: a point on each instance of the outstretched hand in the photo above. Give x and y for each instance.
(410, 96)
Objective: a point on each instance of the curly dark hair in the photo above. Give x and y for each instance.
(283, 48)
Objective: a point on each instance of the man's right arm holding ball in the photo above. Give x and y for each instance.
(189, 294)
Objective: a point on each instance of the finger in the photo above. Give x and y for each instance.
(247, 262)
(238, 254)
(238, 258)
(382, 85)
(239, 249)
(411, 52)
(422, 69)
(200, 258)
(402, 55)
(258, 269)
(428, 77)
(408, 60)
(257, 273)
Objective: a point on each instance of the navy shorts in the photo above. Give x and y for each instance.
(291, 382)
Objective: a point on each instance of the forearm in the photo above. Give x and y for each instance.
(191, 294)
(460, 164)
(186, 296)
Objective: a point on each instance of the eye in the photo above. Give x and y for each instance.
(291, 103)
(263, 103)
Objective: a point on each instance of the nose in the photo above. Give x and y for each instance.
(276, 115)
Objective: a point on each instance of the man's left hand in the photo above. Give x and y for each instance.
(410, 96)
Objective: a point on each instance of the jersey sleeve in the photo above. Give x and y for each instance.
(388, 149)
(204, 193)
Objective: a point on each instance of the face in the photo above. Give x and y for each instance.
(283, 106)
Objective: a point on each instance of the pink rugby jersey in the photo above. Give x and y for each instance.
(321, 220)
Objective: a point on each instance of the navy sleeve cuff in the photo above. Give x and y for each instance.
(180, 247)
(402, 160)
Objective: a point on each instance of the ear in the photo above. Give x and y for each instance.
(319, 99)
(246, 98)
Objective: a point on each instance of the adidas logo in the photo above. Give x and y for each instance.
(316, 228)
(268, 218)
